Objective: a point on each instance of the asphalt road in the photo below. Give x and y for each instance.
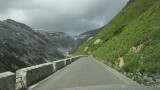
(84, 72)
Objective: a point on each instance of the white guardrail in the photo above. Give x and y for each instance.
(28, 76)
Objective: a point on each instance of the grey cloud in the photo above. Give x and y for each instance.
(70, 16)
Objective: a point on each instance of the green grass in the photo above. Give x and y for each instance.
(138, 23)
(128, 14)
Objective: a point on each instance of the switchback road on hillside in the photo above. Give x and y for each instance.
(84, 72)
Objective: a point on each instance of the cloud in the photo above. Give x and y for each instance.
(70, 16)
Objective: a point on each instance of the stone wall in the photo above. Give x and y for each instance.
(7, 81)
(67, 61)
(28, 76)
(31, 75)
(59, 64)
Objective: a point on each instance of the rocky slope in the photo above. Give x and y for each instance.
(20, 47)
(130, 42)
(82, 38)
(64, 42)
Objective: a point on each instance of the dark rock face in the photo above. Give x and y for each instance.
(64, 42)
(20, 46)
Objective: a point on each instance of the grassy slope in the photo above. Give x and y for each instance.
(129, 13)
(137, 24)
(143, 30)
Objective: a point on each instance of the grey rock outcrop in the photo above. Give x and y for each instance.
(20, 47)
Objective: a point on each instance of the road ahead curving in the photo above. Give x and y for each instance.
(84, 72)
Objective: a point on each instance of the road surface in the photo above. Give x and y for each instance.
(84, 72)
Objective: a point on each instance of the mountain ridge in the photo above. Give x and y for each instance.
(22, 46)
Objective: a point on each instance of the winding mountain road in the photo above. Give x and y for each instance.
(86, 71)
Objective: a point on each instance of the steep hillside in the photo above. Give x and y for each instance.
(65, 43)
(82, 38)
(130, 42)
(20, 47)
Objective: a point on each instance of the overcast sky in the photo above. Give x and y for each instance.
(70, 16)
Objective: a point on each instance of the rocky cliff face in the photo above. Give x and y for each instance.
(64, 42)
(20, 46)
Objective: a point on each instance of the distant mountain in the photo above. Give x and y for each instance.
(20, 46)
(130, 42)
(64, 42)
(82, 38)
